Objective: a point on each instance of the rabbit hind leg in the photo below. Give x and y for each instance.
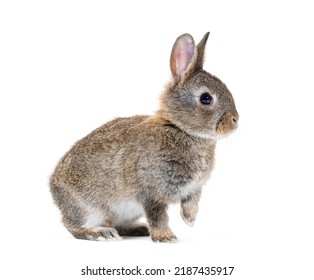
(95, 233)
(81, 219)
(91, 226)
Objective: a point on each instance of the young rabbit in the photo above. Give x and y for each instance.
(134, 167)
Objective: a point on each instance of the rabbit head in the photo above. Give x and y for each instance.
(196, 101)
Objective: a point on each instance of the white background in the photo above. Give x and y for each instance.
(66, 67)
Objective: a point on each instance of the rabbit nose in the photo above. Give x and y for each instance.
(234, 117)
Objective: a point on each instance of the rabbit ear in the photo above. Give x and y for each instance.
(201, 51)
(181, 55)
(186, 58)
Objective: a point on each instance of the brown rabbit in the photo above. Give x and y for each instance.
(134, 167)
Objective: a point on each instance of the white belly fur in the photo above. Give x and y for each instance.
(124, 211)
(127, 210)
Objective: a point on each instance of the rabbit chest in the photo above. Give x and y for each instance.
(175, 165)
(189, 172)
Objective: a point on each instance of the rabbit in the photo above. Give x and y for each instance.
(137, 166)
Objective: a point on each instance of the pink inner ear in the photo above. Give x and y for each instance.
(185, 53)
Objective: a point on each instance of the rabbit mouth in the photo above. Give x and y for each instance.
(227, 123)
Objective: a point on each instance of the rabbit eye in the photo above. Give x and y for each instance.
(206, 98)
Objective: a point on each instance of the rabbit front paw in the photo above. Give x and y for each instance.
(188, 213)
(163, 236)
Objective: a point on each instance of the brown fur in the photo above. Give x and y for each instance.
(137, 166)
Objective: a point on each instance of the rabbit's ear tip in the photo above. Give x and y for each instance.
(186, 37)
(206, 36)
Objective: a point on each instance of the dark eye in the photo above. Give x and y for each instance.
(206, 98)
